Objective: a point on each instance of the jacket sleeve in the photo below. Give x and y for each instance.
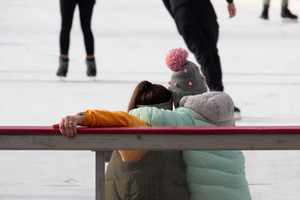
(160, 117)
(107, 118)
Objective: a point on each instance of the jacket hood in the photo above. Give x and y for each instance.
(213, 107)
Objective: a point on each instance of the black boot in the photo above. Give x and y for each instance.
(63, 67)
(265, 13)
(91, 67)
(286, 14)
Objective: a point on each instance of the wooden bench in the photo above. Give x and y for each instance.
(149, 138)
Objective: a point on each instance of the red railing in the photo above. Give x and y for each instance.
(155, 130)
(149, 138)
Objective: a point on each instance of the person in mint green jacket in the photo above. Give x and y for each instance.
(211, 175)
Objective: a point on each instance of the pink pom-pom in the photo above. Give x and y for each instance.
(169, 82)
(197, 67)
(190, 83)
(186, 71)
(176, 58)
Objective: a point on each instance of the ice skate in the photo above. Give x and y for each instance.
(265, 13)
(287, 16)
(237, 113)
(62, 79)
(63, 68)
(91, 68)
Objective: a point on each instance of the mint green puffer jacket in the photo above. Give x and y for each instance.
(216, 175)
(160, 117)
(211, 175)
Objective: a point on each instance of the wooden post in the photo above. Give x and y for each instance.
(100, 175)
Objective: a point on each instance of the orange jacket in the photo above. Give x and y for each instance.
(106, 118)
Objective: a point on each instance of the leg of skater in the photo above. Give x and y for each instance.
(286, 13)
(265, 12)
(67, 8)
(86, 11)
(200, 34)
(197, 23)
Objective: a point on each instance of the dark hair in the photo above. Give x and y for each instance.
(146, 93)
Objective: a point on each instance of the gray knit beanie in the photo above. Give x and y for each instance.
(187, 81)
(186, 78)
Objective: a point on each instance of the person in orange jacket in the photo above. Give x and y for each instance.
(145, 93)
(136, 174)
(126, 164)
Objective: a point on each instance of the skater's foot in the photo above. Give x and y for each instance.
(264, 14)
(91, 67)
(63, 67)
(237, 113)
(286, 14)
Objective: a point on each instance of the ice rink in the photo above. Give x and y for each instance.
(261, 72)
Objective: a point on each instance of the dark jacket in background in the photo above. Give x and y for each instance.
(172, 5)
(196, 21)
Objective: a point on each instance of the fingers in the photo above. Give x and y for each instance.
(231, 10)
(61, 126)
(68, 126)
(231, 13)
(72, 127)
(55, 126)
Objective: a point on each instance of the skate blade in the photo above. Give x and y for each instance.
(62, 79)
(237, 116)
(264, 19)
(289, 20)
(93, 79)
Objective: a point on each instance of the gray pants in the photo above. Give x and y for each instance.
(284, 3)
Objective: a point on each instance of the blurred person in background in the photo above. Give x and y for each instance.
(67, 8)
(285, 12)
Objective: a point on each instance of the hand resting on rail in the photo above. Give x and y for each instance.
(68, 125)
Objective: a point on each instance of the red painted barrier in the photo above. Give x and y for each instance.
(155, 130)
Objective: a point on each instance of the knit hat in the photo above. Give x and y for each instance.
(186, 79)
(176, 58)
(213, 107)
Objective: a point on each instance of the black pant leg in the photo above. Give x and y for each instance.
(197, 24)
(67, 8)
(86, 11)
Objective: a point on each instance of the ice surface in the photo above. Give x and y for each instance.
(261, 72)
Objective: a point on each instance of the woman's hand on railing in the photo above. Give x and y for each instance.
(68, 125)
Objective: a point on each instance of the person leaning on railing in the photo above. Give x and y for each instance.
(163, 172)
(138, 175)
